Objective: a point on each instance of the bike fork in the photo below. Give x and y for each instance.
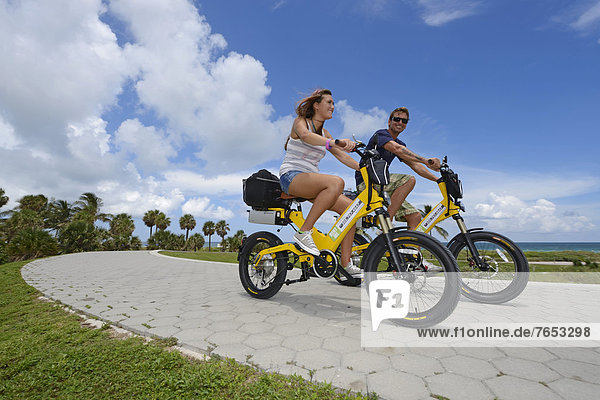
(470, 245)
(386, 225)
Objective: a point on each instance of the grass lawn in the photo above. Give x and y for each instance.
(224, 256)
(45, 353)
(541, 272)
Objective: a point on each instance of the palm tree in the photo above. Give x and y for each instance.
(150, 218)
(3, 198)
(221, 229)
(59, 214)
(88, 208)
(441, 231)
(194, 243)
(122, 225)
(208, 229)
(188, 223)
(37, 203)
(162, 221)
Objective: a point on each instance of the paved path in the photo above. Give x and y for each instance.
(314, 328)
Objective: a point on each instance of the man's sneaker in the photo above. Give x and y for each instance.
(306, 242)
(354, 270)
(429, 267)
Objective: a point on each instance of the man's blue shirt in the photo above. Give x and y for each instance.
(380, 138)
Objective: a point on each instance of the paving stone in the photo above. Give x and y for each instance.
(316, 359)
(264, 340)
(460, 387)
(341, 344)
(529, 353)
(292, 329)
(469, 367)
(347, 379)
(302, 342)
(221, 338)
(361, 361)
(571, 389)
(228, 325)
(576, 354)
(256, 327)
(531, 370)
(482, 353)
(576, 370)
(271, 357)
(251, 317)
(237, 351)
(511, 388)
(164, 331)
(325, 331)
(397, 385)
(416, 364)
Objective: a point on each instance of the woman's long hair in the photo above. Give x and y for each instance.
(304, 108)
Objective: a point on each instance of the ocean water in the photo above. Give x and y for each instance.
(559, 246)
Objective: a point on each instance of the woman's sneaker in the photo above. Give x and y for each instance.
(354, 270)
(306, 242)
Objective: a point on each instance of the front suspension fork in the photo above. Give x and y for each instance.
(470, 245)
(386, 226)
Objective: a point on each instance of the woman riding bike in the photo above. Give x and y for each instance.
(299, 173)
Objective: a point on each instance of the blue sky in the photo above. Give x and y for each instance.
(169, 104)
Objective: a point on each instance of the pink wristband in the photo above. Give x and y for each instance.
(327, 146)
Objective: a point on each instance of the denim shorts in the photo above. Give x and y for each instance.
(286, 179)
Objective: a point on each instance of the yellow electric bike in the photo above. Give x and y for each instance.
(493, 268)
(395, 254)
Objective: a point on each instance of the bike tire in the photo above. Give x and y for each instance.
(342, 280)
(264, 280)
(503, 284)
(431, 303)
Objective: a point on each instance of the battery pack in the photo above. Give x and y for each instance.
(269, 217)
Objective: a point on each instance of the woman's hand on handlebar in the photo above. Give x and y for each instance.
(345, 144)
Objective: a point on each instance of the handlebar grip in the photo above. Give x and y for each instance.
(337, 142)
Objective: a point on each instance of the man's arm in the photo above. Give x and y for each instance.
(409, 157)
(421, 170)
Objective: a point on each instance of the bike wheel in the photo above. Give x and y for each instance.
(262, 280)
(356, 260)
(435, 288)
(505, 271)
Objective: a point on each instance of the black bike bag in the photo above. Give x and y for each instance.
(262, 190)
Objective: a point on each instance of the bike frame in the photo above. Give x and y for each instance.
(360, 207)
(443, 210)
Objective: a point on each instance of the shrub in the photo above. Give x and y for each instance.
(79, 236)
(166, 240)
(31, 243)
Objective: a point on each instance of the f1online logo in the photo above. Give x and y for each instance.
(388, 300)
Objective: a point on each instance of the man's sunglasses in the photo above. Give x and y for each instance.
(398, 119)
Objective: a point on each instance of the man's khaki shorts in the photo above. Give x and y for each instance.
(396, 180)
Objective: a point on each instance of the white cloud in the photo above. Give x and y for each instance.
(63, 70)
(440, 12)
(202, 207)
(588, 19)
(509, 213)
(148, 145)
(217, 103)
(358, 123)
(60, 64)
(8, 139)
(190, 181)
